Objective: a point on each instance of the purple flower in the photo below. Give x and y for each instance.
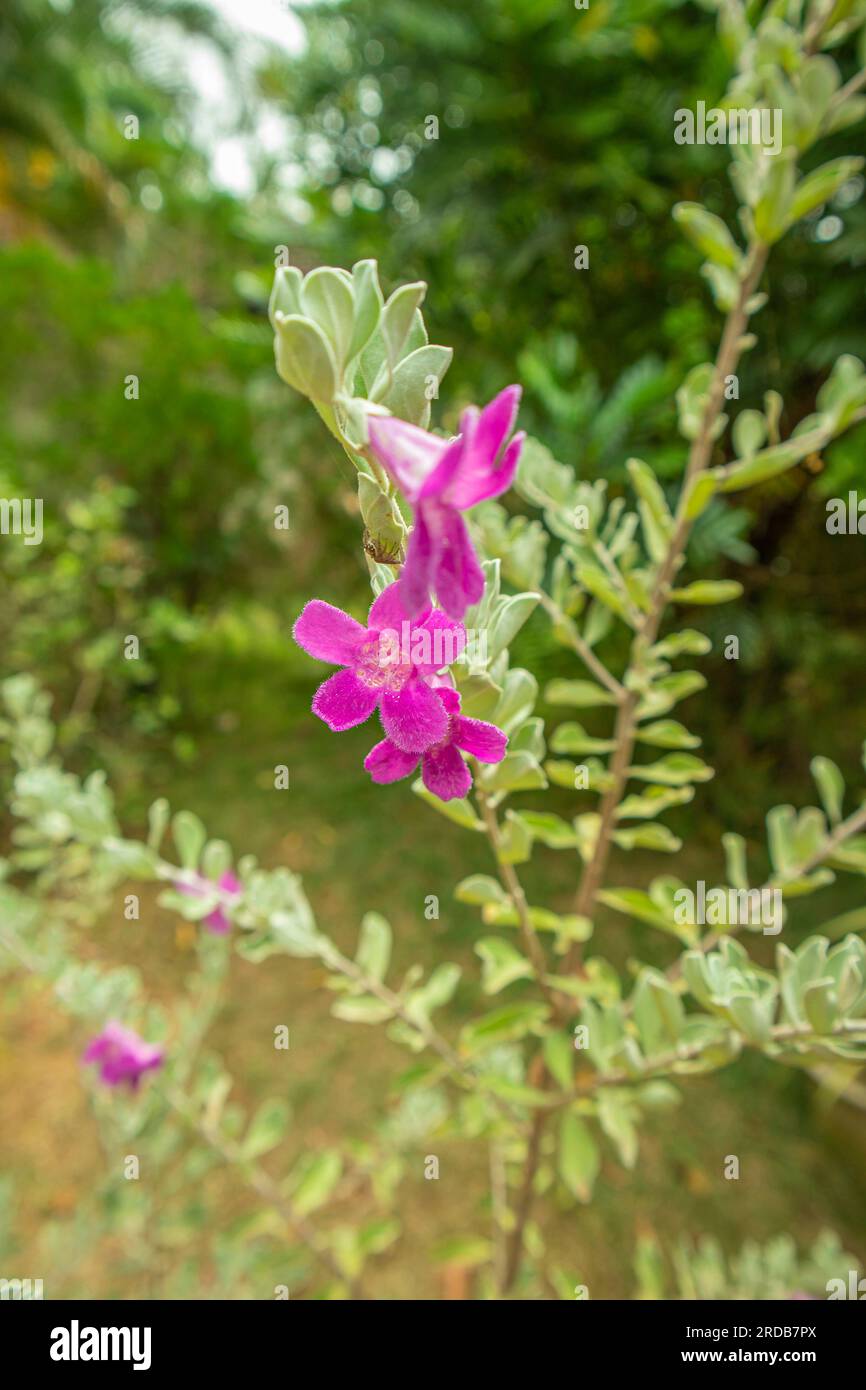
(218, 920)
(443, 771)
(384, 665)
(441, 479)
(122, 1055)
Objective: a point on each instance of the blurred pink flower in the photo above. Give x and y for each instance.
(219, 920)
(123, 1056)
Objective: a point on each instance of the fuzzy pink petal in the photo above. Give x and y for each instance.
(479, 738)
(482, 474)
(450, 699)
(497, 420)
(491, 484)
(458, 577)
(443, 643)
(388, 763)
(416, 577)
(410, 454)
(343, 701)
(328, 633)
(445, 774)
(414, 718)
(451, 463)
(388, 610)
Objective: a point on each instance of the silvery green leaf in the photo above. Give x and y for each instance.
(314, 1180)
(530, 738)
(328, 299)
(558, 1049)
(550, 829)
(509, 1023)
(368, 304)
(702, 490)
(654, 800)
(772, 212)
(579, 694)
(692, 399)
(480, 889)
(656, 837)
(131, 857)
(267, 1128)
(397, 319)
(501, 964)
(305, 360)
(511, 613)
(831, 786)
(517, 701)
(415, 382)
(578, 1160)
(189, 836)
(667, 733)
(844, 392)
(517, 772)
(573, 738)
(819, 186)
(157, 822)
(708, 233)
(667, 692)
(460, 811)
(656, 519)
(374, 946)
(515, 840)
(749, 433)
(688, 641)
(708, 591)
(735, 861)
(216, 859)
(286, 293)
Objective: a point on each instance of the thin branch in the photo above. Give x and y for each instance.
(433, 1039)
(581, 646)
(266, 1188)
(512, 885)
(699, 456)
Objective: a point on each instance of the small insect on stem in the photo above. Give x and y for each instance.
(383, 555)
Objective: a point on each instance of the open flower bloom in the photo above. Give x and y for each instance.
(441, 479)
(384, 666)
(219, 920)
(123, 1056)
(443, 771)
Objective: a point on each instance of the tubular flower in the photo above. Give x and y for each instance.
(443, 771)
(441, 479)
(219, 920)
(123, 1056)
(385, 666)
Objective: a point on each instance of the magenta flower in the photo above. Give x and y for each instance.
(441, 479)
(123, 1056)
(217, 921)
(384, 665)
(443, 771)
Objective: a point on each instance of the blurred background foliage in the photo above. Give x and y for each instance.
(154, 157)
